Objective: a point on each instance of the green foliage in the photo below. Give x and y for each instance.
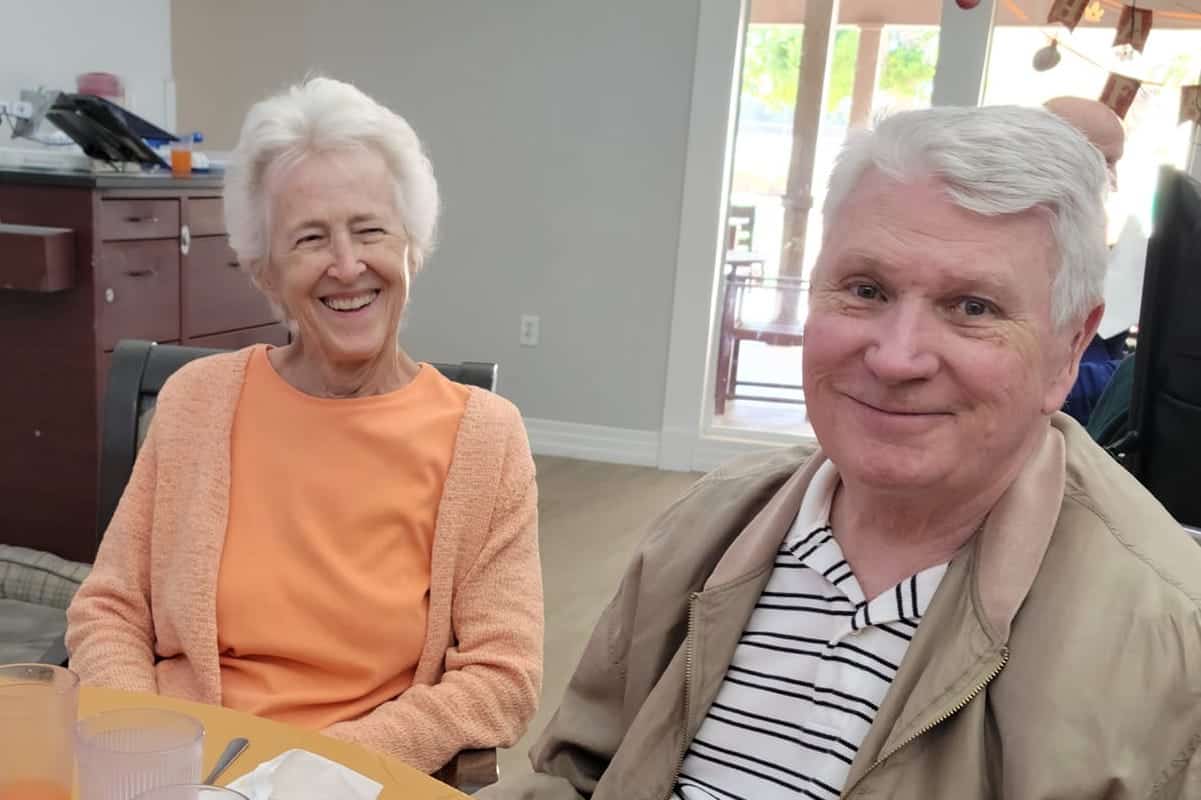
(842, 67)
(909, 63)
(772, 60)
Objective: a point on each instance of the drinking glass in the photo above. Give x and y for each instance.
(38, 704)
(123, 754)
(192, 792)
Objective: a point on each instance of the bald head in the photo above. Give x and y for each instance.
(1096, 121)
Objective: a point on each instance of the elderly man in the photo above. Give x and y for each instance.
(960, 595)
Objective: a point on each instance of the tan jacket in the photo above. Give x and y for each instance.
(146, 619)
(1060, 657)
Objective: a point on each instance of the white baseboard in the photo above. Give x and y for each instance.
(677, 451)
(549, 437)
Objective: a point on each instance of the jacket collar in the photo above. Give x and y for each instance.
(961, 644)
(1009, 547)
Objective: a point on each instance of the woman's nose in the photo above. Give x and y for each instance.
(346, 265)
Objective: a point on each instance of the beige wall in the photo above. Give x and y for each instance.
(226, 54)
(558, 133)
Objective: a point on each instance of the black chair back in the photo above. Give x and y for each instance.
(137, 374)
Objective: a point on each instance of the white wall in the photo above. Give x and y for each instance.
(48, 42)
(558, 133)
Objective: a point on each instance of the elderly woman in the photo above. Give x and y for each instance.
(328, 533)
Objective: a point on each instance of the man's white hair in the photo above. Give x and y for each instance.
(998, 160)
(316, 116)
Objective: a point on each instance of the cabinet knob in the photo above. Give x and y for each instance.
(109, 295)
(185, 239)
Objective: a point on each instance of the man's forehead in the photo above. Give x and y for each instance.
(891, 225)
(924, 206)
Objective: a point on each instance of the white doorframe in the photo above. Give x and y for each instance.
(964, 39)
(684, 441)
(698, 250)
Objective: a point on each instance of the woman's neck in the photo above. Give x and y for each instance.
(311, 372)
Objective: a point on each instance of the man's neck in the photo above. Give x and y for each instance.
(886, 541)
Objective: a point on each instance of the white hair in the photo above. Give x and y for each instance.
(998, 160)
(316, 116)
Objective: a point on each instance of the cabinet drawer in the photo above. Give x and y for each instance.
(139, 219)
(138, 288)
(205, 216)
(276, 334)
(217, 294)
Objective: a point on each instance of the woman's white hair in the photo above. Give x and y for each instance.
(998, 160)
(316, 116)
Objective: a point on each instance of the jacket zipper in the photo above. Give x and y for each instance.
(688, 659)
(941, 718)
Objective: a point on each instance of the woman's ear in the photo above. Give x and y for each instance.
(261, 276)
(414, 261)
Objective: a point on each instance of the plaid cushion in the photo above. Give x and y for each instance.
(32, 576)
(28, 631)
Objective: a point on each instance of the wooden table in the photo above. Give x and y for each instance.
(268, 739)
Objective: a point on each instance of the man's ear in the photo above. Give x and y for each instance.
(1065, 377)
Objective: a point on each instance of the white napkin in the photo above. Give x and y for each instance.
(301, 775)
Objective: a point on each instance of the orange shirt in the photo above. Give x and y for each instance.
(323, 589)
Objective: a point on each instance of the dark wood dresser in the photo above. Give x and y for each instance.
(86, 261)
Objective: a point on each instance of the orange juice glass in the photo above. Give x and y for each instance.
(181, 159)
(38, 706)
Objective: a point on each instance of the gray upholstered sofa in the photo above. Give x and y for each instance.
(35, 590)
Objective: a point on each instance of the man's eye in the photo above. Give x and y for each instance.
(309, 239)
(866, 291)
(974, 307)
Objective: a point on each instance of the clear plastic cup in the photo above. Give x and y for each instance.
(38, 706)
(192, 792)
(123, 754)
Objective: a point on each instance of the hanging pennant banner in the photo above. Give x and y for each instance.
(1190, 104)
(1068, 12)
(1133, 27)
(1119, 93)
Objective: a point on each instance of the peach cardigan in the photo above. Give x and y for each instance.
(145, 619)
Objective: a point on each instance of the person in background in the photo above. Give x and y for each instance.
(1103, 129)
(329, 534)
(960, 595)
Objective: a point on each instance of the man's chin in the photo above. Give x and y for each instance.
(892, 467)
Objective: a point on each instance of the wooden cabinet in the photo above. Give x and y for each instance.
(150, 260)
(137, 286)
(217, 294)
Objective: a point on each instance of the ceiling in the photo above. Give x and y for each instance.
(1172, 13)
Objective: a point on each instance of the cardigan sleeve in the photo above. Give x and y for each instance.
(110, 633)
(493, 668)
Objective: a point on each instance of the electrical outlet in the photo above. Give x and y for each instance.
(531, 326)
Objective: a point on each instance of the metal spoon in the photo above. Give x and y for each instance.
(231, 752)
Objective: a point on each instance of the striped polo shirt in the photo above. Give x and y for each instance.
(809, 673)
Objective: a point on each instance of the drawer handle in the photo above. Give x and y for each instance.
(136, 220)
(139, 273)
(232, 264)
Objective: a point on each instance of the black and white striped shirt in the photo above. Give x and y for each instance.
(809, 673)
